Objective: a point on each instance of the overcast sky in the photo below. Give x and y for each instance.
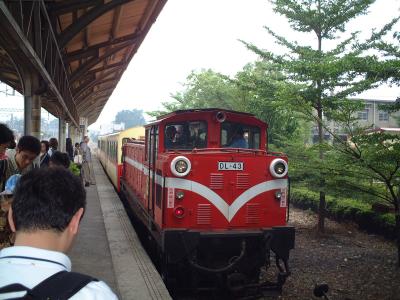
(194, 34)
(199, 34)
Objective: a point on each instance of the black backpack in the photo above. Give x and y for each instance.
(60, 286)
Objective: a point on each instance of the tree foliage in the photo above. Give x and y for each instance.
(327, 77)
(130, 118)
(369, 163)
(255, 89)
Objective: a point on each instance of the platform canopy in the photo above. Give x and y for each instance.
(95, 40)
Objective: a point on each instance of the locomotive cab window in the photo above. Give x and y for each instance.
(237, 135)
(185, 135)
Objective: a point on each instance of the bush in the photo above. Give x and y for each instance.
(73, 167)
(346, 209)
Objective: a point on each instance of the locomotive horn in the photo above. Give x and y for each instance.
(220, 116)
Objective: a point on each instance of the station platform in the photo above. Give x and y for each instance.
(108, 248)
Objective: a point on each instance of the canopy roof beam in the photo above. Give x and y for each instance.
(83, 21)
(67, 6)
(93, 50)
(94, 61)
(91, 83)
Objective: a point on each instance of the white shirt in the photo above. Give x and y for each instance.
(86, 152)
(29, 266)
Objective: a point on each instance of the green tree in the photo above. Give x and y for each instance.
(326, 76)
(387, 69)
(254, 90)
(204, 89)
(130, 118)
(368, 163)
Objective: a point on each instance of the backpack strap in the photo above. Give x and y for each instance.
(60, 286)
(13, 288)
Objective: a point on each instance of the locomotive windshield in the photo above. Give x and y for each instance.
(186, 135)
(237, 135)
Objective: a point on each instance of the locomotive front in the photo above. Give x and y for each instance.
(225, 201)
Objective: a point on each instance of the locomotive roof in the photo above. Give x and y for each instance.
(181, 111)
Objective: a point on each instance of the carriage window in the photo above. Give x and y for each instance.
(186, 135)
(237, 135)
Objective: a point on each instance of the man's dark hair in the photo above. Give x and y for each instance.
(60, 159)
(53, 143)
(12, 145)
(6, 134)
(47, 199)
(29, 143)
(46, 143)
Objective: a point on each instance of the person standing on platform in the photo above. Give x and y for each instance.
(59, 159)
(87, 168)
(53, 143)
(44, 155)
(45, 215)
(6, 138)
(19, 160)
(69, 149)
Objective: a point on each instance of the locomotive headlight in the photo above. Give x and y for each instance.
(180, 166)
(278, 168)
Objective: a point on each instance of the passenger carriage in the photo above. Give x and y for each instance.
(109, 151)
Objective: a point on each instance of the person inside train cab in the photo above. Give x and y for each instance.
(238, 139)
(170, 136)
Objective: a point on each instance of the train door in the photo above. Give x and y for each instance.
(152, 176)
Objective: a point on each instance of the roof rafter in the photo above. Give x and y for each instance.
(92, 50)
(94, 100)
(82, 99)
(90, 83)
(106, 67)
(86, 19)
(67, 6)
(80, 95)
(94, 61)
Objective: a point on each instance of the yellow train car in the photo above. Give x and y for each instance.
(110, 151)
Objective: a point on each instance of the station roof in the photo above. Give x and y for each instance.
(97, 39)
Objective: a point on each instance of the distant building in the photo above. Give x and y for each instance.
(111, 128)
(371, 116)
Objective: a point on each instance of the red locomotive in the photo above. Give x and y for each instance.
(212, 197)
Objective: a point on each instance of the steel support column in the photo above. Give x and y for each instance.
(32, 106)
(36, 116)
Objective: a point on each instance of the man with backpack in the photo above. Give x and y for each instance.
(45, 214)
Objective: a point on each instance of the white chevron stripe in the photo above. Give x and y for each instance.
(229, 212)
(253, 192)
(201, 190)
